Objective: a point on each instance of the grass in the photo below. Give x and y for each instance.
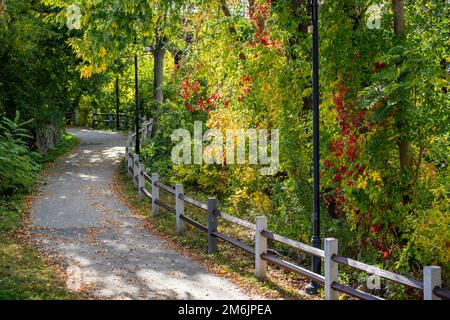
(68, 143)
(230, 262)
(24, 274)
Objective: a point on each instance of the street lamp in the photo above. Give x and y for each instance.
(315, 240)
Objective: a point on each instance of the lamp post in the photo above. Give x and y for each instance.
(136, 81)
(315, 241)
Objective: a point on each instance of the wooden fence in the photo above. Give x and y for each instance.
(149, 186)
(70, 118)
(110, 119)
(144, 133)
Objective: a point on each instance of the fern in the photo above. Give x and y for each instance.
(17, 169)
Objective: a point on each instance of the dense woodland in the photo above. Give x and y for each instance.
(385, 106)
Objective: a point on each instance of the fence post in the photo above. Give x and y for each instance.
(331, 268)
(127, 150)
(125, 121)
(144, 132)
(130, 140)
(155, 194)
(181, 225)
(141, 182)
(130, 162)
(93, 119)
(260, 248)
(77, 117)
(212, 225)
(431, 280)
(136, 170)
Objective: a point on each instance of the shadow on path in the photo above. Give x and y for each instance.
(106, 250)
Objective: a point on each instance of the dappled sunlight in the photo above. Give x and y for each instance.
(87, 177)
(108, 252)
(113, 153)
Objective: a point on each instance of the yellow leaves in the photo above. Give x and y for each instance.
(155, 19)
(439, 191)
(102, 52)
(376, 177)
(87, 71)
(261, 201)
(362, 184)
(258, 200)
(101, 68)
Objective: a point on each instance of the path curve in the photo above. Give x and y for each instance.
(106, 250)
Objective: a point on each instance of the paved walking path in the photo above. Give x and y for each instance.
(106, 249)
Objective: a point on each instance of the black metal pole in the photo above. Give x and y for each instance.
(117, 104)
(136, 79)
(316, 241)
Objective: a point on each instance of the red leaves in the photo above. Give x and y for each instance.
(378, 244)
(196, 87)
(337, 148)
(376, 228)
(357, 119)
(378, 66)
(259, 14)
(328, 164)
(345, 150)
(195, 96)
(247, 79)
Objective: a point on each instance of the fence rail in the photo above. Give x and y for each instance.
(431, 285)
(111, 119)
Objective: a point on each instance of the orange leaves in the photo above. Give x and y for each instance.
(258, 17)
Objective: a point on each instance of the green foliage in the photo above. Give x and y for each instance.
(247, 64)
(23, 273)
(39, 74)
(17, 169)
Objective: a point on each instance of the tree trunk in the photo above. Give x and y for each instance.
(399, 17)
(158, 73)
(159, 53)
(404, 145)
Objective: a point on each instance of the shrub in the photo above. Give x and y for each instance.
(17, 168)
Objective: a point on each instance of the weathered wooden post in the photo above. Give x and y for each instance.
(179, 192)
(127, 150)
(260, 248)
(141, 182)
(130, 162)
(212, 225)
(131, 141)
(144, 132)
(431, 280)
(77, 117)
(93, 119)
(136, 170)
(155, 194)
(110, 120)
(331, 268)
